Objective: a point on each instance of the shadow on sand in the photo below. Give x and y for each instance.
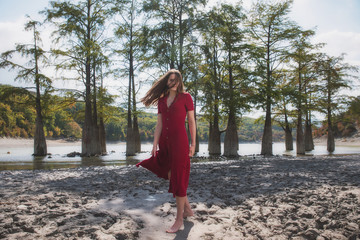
(184, 234)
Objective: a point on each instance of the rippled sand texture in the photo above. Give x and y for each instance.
(247, 198)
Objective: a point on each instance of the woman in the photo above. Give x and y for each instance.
(171, 153)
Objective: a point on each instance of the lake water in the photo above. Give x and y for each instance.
(20, 158)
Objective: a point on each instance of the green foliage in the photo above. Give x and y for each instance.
(334, 76)
(271, 31)
(17, 116)
(346, 122)
(354, 110)
(116, 130)
(170, 37)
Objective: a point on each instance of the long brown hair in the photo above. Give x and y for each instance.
(160, 88)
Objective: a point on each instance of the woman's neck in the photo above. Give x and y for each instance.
(172, 93)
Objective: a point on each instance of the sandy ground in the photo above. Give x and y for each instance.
(29, 142)
(246, 198)
(353, 141)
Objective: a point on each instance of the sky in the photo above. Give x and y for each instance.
(337, 23)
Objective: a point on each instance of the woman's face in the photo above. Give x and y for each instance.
(172, 83)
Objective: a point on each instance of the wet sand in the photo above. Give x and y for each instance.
(312, 197)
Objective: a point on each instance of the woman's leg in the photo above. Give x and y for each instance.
(180, 205)
(183, 209)
(187, 209)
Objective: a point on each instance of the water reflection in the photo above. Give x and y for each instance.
(91, 161)
(38, 163)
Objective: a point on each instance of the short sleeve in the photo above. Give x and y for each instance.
(189, 104)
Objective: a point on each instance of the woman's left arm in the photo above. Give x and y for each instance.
(192, 128)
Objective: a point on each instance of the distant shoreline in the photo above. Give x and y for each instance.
(352, 141)
(28, 142)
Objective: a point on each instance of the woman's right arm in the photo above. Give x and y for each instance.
(157, 134)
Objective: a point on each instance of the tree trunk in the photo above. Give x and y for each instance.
(330, 139)
(289, 143)
(214, 131)
(102, 131)
(300, 146)
(90, 144)
(130, 145)
(89, 136)
(300, 143)
(231, 141)
(181, 40)
(40, 148)
(136, 141)
(210, 138)
(96, 141)
(102, 135)
(214, 145)
(266, 141)
(197, 144)
(136, 132)
(172, 44)
(87, 131)
(96, 130)
(309, 142)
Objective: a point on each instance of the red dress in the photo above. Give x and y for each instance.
(173, 153)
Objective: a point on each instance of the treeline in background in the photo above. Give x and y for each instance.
(234, 61)
(17, 120)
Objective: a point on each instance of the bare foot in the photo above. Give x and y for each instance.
(188, 213)
(177, 225)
